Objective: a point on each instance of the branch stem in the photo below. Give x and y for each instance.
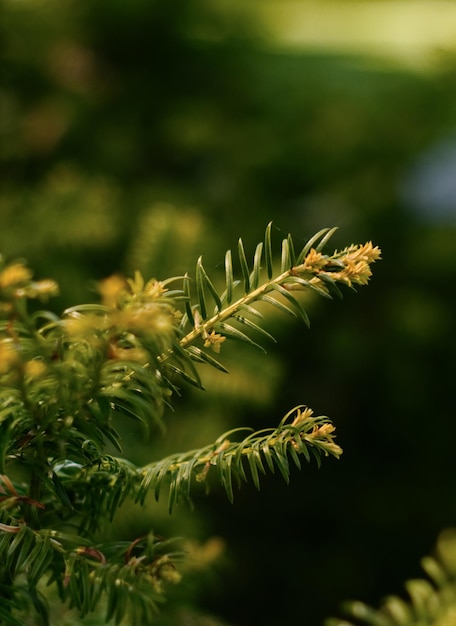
(225, 314)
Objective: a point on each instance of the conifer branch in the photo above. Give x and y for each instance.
(310, 270)
(105, 485)
(298, 434)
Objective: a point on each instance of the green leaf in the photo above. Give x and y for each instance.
(235, 333)
(326, 238)
(193, 379)
(258, 329)
(39, 560)
(86, 308)
(250, 309)
(317, 455)
(66, 538)
(296, 304)
(298, 280)
(27, 541)
(268, 251)
(281, 462)
(180, 483)
(202, 357)
(254, 471)
(130, 402)
(60, 491)
(121, 604)
(254, 278)
(205, 280)
(286, 262)
(266, 451)
(224, 468)
(244, 266)
(278, 304)
(434, 570)
(200, 289)
(326, 278)
(188, 306)
(294, 454)
(291, 251)
(311, 243)
(85, 586)
(16, 541)
(229, 277)
(6, 618)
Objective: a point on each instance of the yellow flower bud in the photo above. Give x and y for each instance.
(14, 275)
(34, 369)
(111, 288)
(214, 341)
(42, 289)
(9, 357)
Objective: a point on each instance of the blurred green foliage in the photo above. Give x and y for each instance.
(135, 133)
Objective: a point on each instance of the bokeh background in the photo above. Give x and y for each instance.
(142, 133)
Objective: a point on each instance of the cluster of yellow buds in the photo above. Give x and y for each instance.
(131, 311)
(16, 282)
(357, 261)
(163, 569)
(324, 434)
(321, 432)
(9, 356)
(351, 266)
(138, 306)
(116, 290)
(303, 414)
(111, 288)
(200, 555)
(11, 360)
(15, 275)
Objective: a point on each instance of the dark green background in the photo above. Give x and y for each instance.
(142, 134)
